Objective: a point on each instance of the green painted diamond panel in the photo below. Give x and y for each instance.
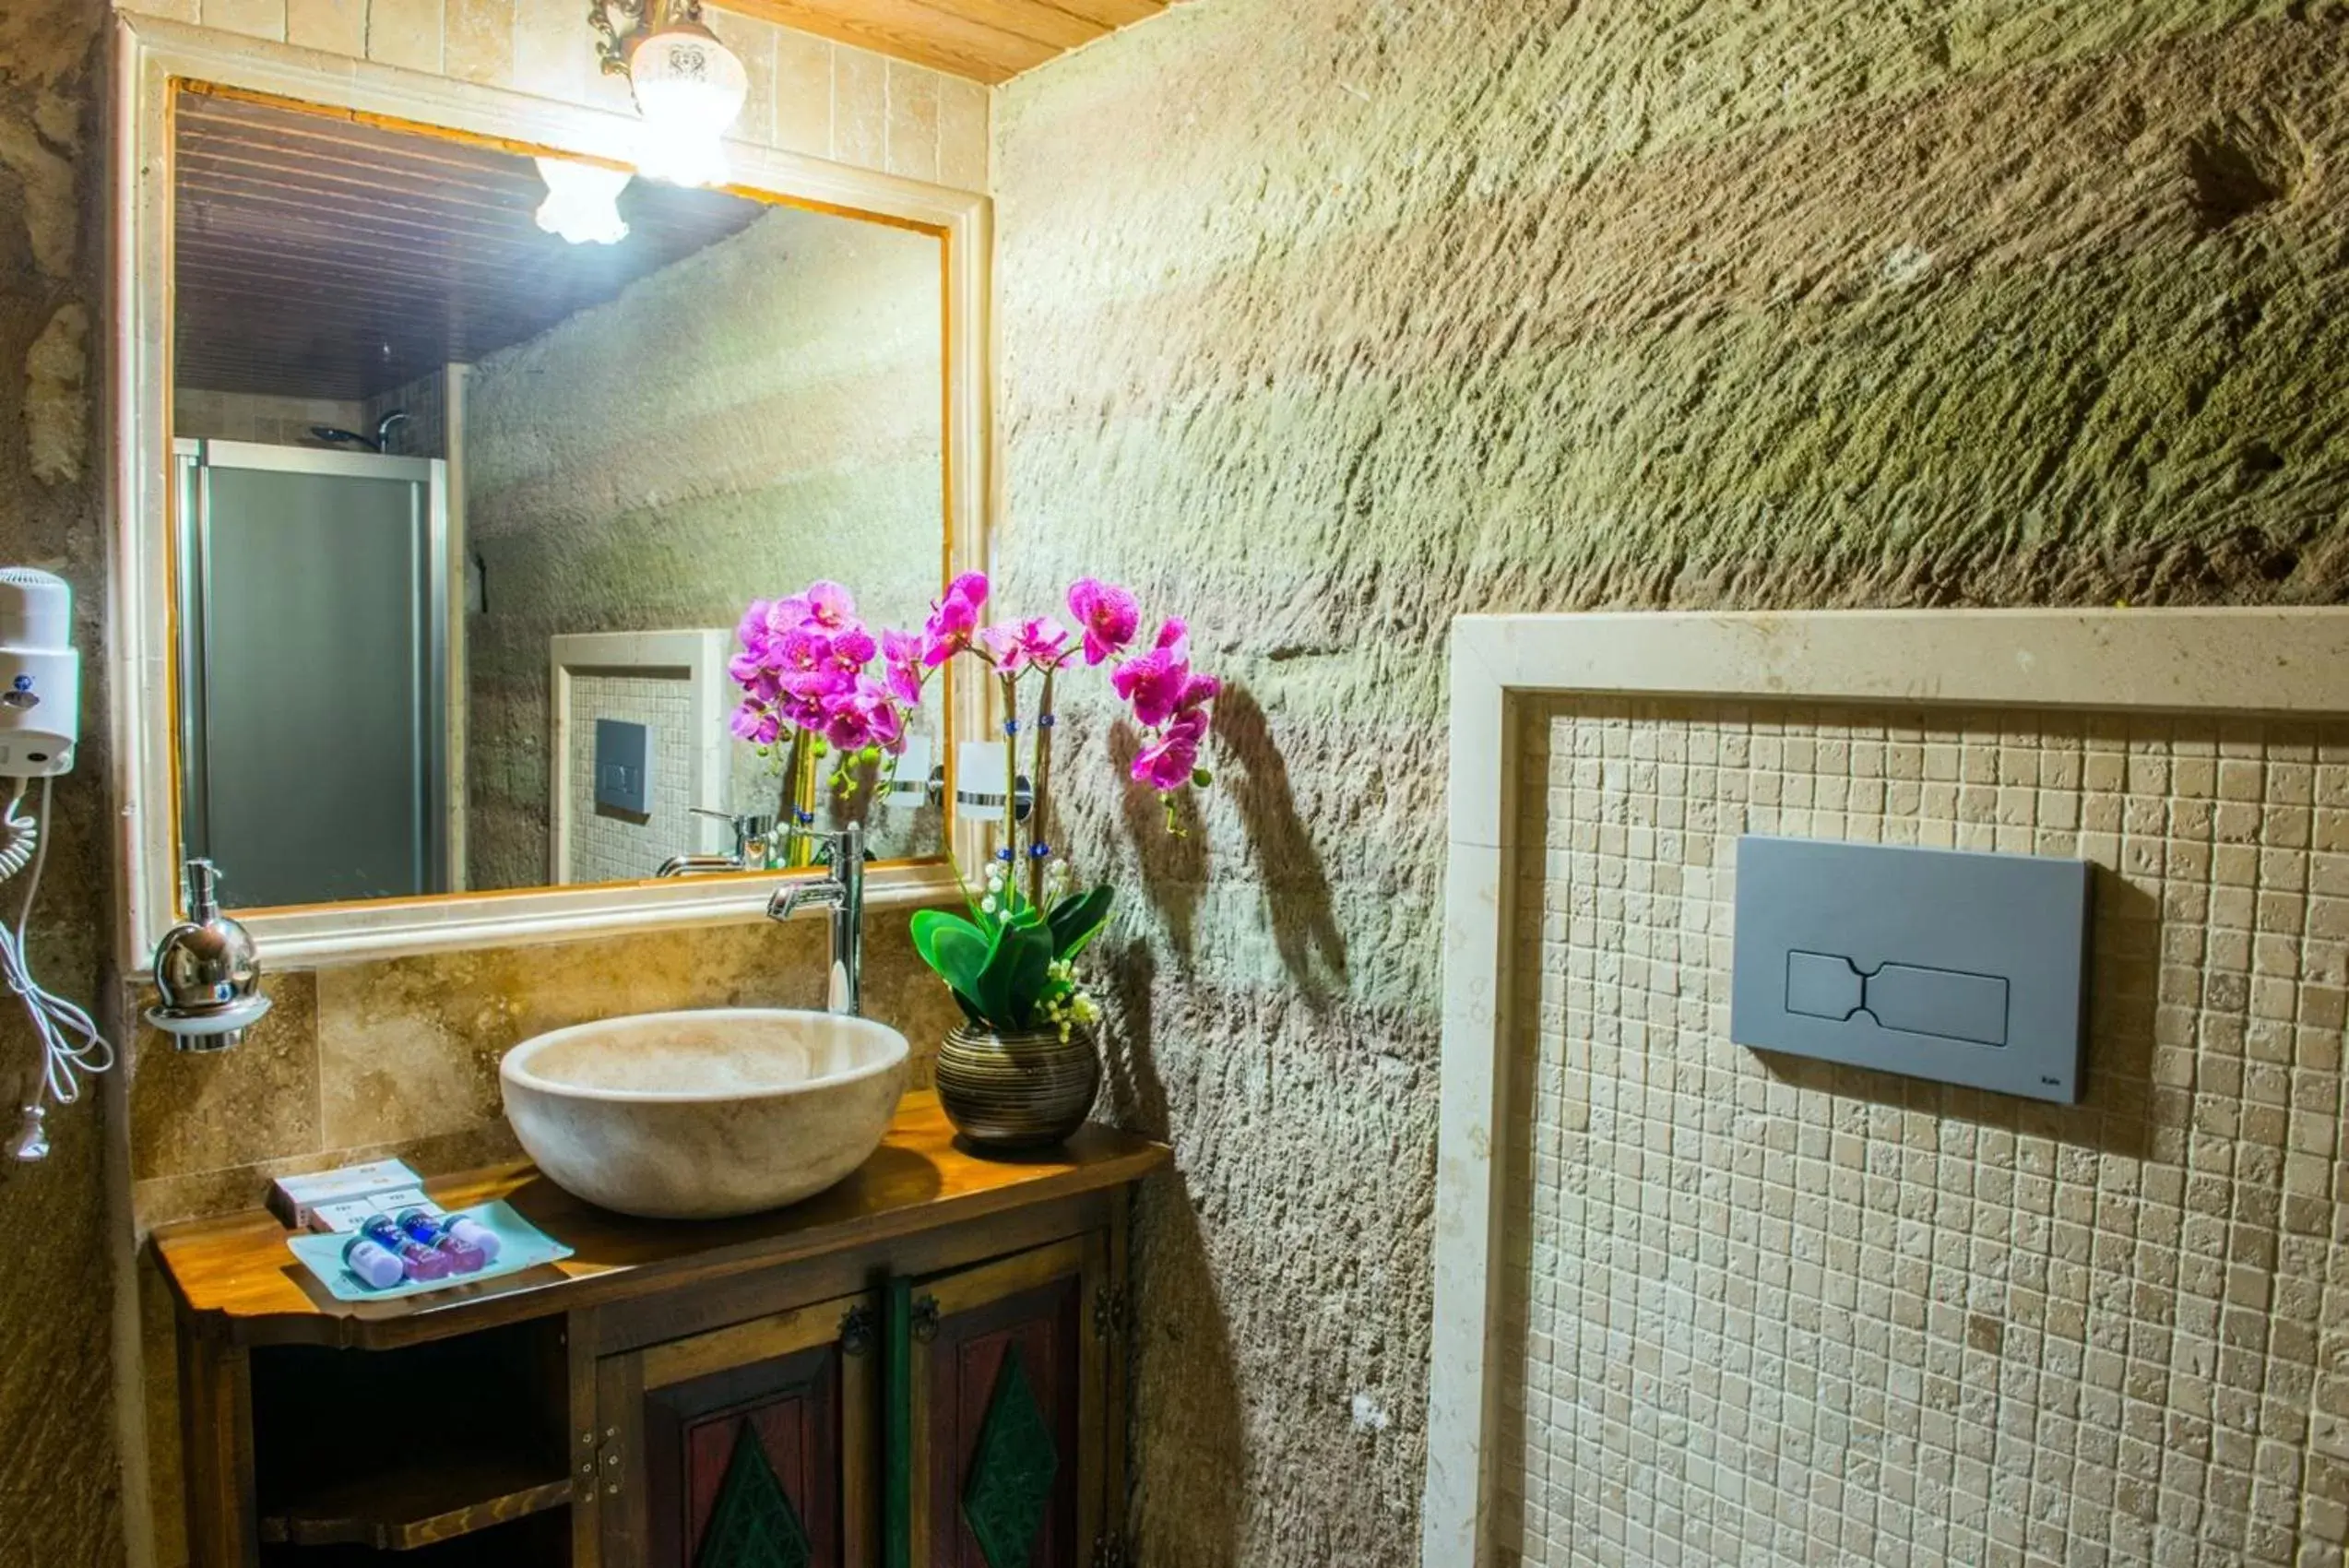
(1011, 1470)
(753, 1524)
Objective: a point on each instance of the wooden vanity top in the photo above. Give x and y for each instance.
(235, 1280)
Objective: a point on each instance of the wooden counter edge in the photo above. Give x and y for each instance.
(1119, 1166)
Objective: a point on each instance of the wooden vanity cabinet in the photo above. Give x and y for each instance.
(747, 1445)
(923, 1367)
(1007, 1403)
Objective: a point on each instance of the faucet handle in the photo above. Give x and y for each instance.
(746, 822)
(751, 828)
(841, 845)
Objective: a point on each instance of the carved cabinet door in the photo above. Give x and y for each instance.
(751, 1446)
(1005, 1398)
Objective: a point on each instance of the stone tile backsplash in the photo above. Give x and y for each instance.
(1767, 1310)
(398, 1058)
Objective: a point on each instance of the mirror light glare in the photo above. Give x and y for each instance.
(690, 89)
(583, 202)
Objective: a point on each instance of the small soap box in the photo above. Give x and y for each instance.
(295, 1200)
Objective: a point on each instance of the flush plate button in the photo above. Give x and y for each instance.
(623, 762)
(1820, 986)
(1947, 1003)
(1971, 968)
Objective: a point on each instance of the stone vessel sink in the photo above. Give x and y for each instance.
(701, 1115)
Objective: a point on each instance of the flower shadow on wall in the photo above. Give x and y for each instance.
(1174, 864)
(1300, 908)
(1297, 887)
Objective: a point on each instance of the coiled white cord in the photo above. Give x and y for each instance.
(71, 1047)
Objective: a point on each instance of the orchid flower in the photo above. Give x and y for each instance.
(1171, 761)
(828, 606)
(1037, 643)
(1157, 682)
(954, 620)
(755, 723)
(901, 654)
(1108, 614)
(849, 724)
(852, 650)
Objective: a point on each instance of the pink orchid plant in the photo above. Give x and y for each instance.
(802, 670)
(805, 670)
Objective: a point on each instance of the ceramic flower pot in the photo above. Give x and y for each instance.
(1009, 1092)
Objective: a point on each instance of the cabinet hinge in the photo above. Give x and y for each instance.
(924, 1324)
(1110, 1551)
(610, 1465)
(1112, 1312)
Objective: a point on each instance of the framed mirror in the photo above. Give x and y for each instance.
(454, 454)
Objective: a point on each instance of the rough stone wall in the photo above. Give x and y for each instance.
(762, 414)
(1325, 321)
(60, 1496)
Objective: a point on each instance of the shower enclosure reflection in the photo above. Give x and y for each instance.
(466, 512)
(313, 672)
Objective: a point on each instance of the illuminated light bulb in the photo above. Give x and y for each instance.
(583, 202)
(690, 89)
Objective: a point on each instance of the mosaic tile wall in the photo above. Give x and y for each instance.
(1765, 1310)
(245, 416)
(425, 402)
(606, 846)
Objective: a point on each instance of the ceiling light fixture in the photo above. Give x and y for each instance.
(583, 202)
(689, 87)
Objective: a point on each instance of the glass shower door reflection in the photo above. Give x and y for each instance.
(313, 689)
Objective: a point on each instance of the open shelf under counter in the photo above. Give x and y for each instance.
(418, 1503)
(235, 1282)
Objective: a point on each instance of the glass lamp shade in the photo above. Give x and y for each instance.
(582, 202)
(689, 88)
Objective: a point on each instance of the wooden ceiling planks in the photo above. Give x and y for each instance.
(320, 257)
(986, 40)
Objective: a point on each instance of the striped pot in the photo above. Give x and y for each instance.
(1030, 1091)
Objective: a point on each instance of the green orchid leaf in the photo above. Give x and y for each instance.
(990, 986)
(928, 923)
(1032, 972)
(1013, 983)
(963, 958)
(1078, 919)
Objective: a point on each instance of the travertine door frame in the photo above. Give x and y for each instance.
(2236, 661)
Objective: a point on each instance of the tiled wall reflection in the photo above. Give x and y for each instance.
(606, 846)
(1767, 1310)
(272, 422)
(808, 94)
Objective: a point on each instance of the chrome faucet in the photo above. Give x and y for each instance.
(752, 834)
(843, 894)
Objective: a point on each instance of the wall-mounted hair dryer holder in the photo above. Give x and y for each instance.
(40, 676)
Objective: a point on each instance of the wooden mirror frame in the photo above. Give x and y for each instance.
(151, 58)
